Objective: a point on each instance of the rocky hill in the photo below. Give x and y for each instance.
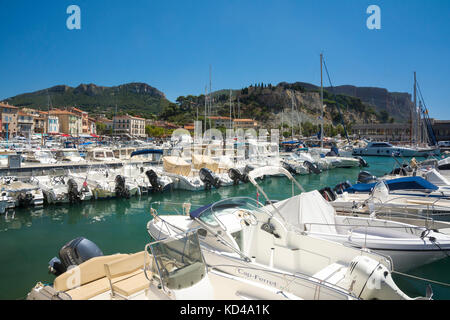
(138, 99)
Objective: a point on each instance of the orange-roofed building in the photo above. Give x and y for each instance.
(245, 124)
(9, 115)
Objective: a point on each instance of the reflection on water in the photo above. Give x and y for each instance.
(30, 238)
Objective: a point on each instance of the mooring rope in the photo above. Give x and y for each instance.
(422, 279)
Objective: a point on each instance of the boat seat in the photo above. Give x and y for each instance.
(123, 277)
(332, 273)
(95, 288)
(89, 271)
(132, 285)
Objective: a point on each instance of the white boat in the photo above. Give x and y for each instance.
(100, 154)
(69, 155)
(24, 194)
(408, 246)
(385, 149)
(62, 189)
(237, 233)
(39, 156)
(171, 269)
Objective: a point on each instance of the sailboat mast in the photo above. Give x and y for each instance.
(321, 100)
(292, 119)
(231, 120)
(206, 97)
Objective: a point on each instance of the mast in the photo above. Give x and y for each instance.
(321, 100)
(210, 93)
(231, 122)
(206, 96)
(292, 119)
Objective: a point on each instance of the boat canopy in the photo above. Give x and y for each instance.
(201, 161)
(407, 183)
(307, 208)
(176, 165)
(146, 151)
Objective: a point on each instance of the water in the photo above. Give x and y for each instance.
(30, 238)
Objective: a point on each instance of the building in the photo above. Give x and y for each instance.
(84, 118)
(108, 123)
(126, 125)
(25, 124)
(245, 124)
(224, 122)
(69, 123)
(9, 120)
(398, 132)
(441, 129)
(92, 126)
(390, 132)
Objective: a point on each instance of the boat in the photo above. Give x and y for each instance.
(100, 154)
(62, 189)
(24, 194)
(241, 232)
(385, 149)
(69, 155)
(170, 269)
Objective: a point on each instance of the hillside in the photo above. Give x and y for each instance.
(272, 105)
(137, 99)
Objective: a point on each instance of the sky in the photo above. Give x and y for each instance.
(171, 45)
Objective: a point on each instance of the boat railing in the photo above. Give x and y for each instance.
(298, 278)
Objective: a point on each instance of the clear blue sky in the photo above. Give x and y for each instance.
(170, 45)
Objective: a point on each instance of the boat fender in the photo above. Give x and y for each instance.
(312, 167)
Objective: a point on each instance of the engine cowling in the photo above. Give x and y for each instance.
(121, 189)
(72, 191)
(209, 179)
(312, 167)
(153, 179)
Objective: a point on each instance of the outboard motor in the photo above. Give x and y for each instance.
(153, 178)
(25, 200)
(340, 188)
(362, 163)
(328, 194)
(289, 168)
(235, 175)
(209, 179)
(366, 177)
(72, 254)
(121, 189)
(399, 171)
(72, 192)
(312, 167)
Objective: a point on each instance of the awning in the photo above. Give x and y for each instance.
(94, 135)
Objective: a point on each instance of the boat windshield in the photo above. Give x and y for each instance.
(211, 213)
(179, 262)
(109, 154)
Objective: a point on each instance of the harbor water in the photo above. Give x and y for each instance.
(30, 238)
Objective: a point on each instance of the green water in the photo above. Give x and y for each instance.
(29, 239)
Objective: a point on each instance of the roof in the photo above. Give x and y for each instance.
(219, 118)
(63, 112)
(244, 120)
(4, 105)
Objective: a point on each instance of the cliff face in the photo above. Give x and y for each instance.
(397, 104)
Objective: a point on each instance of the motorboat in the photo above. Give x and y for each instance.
(170, 269)
(24, 194)
(409, 246)
(100, 154)
(241, 232)
(39, 156)
(62, 189)
(69, 155)
(385, 149)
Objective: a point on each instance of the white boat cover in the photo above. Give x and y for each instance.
(201, 161)
(176, 165)
(436, 178)
(308, 207)
(268, 171)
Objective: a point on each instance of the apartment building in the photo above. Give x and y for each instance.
(25, 124)
(245, 124)
(126, 125)
(8, 120)
(69, 123)
(84, 116)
